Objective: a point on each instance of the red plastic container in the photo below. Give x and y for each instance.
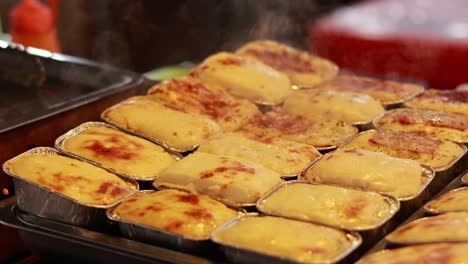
(423, 40)
(33, 24)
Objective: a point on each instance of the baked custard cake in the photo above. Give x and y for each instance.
(171, 126)
(303, 69)
(193, 96)
(341, 207)
(447, 227)
(243, 77)
(441, 100)
(284, 156)
(190, 215)
(232, 180)
(320, 134)
(133, 156)
(77, 180)
(444, 125)
(454, 200)
(368, 170)
(386, 92)
(437, 153)
(280, 237)
(317, 104)
(441, 253)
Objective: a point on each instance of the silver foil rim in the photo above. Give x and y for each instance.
(354, 237)
(436, 169)
(60, 141)
(154, 140)
(48, 150)
(429, 210)
(393, 203)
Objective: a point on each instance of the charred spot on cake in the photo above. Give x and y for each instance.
(285, 122)
(114, 187)
(199, 213)
(355, 207)
(283, 60)
(354, 151)
(174, 107)
(406, 142)
(405, 228)
(153, 208)
(188, 198)
(206, 175)
(233, 169)
(124, 150)
(173, 226)
(231, 61)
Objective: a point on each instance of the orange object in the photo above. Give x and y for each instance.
(33, 24)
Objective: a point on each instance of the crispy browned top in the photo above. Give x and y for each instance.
(363, 83)
(446, 96)
(286, 123)
(406, 142)
(120, 147)
(194, 94)
(432, 118)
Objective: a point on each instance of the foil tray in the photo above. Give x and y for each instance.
(43, 202)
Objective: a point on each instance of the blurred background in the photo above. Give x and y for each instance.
(144, 34)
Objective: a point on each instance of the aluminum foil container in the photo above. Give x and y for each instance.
(41, 201)
(158, 236)
(60, 142)
(180, 152)
(427, 174)
(394, 206)
(429, 210)
(238, 254)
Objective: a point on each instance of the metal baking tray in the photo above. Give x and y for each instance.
(41, 201)
(156, 236)
(394, 206)
(56, 241)
(44, 94)
(37, 84)
(429, 210)
(59, 144)
(239, 254)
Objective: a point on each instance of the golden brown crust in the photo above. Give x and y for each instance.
(304, 69)
(385, 91)
(191, 95)
(191, 215)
